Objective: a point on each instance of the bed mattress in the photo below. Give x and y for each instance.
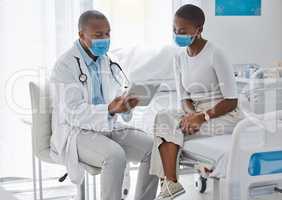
(211, 150)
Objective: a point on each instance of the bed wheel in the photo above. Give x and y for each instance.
(201, 184)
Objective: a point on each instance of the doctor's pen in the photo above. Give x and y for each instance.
(126, 86)
(127, 82)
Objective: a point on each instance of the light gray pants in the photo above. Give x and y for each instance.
(111, 151)
(167, 127)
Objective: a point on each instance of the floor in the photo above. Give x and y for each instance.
(53, 190)
(22, 189)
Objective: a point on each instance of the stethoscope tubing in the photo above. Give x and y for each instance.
(83, 77)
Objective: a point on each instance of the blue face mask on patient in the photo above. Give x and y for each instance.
(100, 47)
(183, 40)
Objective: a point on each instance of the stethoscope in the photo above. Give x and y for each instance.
(83, 77)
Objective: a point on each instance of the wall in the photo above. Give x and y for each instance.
(247, 39)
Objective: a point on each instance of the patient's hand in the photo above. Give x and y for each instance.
(191, 123)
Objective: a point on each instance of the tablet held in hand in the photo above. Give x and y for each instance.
(143, 91)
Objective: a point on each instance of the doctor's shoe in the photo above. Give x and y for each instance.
(170, 190)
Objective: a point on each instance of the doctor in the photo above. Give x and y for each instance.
(86, 101)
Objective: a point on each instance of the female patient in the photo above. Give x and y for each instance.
(207, 91)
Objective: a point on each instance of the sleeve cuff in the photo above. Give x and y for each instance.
(126, 116)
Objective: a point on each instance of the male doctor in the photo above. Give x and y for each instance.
(86, 104)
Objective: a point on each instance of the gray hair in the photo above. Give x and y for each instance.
(88, 15)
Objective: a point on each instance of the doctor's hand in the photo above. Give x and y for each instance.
(132, 102)
(191, 123)
(122, 104)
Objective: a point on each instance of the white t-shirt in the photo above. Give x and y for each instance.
(205, 76)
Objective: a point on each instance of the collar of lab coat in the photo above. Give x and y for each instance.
(107, 83)
(86, 58)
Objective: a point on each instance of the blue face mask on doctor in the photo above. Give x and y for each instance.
(100, 47)
(183, 40)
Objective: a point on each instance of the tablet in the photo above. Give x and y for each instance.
(143, 91)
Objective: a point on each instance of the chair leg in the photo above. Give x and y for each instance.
(81, 191)
(87, 186)
(40, 180)
(94, 187)
(34, 178)
(216, 189)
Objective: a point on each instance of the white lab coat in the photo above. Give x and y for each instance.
(72, 111)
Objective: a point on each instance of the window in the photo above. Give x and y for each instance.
(138, 22)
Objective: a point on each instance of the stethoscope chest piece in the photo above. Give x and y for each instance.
(83, 78)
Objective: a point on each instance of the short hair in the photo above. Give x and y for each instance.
(88, 15)
(192, 13)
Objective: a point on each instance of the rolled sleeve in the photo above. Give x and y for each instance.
(127, 116)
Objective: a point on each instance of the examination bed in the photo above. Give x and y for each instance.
(244, 165)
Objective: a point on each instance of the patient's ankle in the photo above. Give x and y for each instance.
(173, 179)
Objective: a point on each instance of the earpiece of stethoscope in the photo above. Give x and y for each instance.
(82, 77)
